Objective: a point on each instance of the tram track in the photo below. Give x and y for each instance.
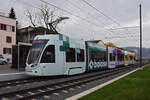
(30, 93)
(28, 80)
(51, 90)
(8, 84)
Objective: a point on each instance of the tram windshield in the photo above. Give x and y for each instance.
(36, 50)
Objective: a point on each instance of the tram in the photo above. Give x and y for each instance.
(58, 54)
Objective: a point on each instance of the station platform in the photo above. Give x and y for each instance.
(6, 69)
(8, 74)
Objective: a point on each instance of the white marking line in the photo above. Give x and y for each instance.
(71, 89)
(75, 82)
(64, 85)
(17, 82)
(46, 97)
(20, 96)
(8, 83)
(25, 80)
(57, 86)
(41, 90)
(5, 98)
(27, 84)
(50, 88)
(83, 85)
(33, 99)
(98, 87)
(79, 87)
(56, 93)
(8, 87)
(64, 91)
(18, 85)
(70, 83)
(31, 93)
(88, 83)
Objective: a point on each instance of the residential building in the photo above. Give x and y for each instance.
(7, 35)
(27, 34)
(25, 37)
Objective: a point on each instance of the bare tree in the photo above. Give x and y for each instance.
(32, 18)
(45, 17)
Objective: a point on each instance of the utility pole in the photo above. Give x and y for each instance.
(140, 6)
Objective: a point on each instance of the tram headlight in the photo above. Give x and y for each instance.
(33, 65)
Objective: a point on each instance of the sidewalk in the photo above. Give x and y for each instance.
(6, 69)
(7, 73)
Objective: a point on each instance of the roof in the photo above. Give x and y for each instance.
(7, 17)
(111, 45)
(95, 41)
(37, 30)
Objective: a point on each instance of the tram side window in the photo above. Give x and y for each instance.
(131, 58)
(120, 57)
(98, 56)
(134, 58)
(49, 55)
(110, 57)
(80, 56)
(93, 56)
(114, 57)
(126, 57)
(102, 56)
(70, 55)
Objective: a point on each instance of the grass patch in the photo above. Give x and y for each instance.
(135, 86)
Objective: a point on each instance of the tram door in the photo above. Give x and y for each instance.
(50, 61)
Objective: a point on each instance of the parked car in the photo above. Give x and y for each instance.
(3, 60)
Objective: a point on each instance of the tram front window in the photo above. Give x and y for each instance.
(35, 51)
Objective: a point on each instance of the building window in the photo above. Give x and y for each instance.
(70, 55)
(0, 26)
(8, 39)
(7, 50)
(3, 27)
(13, 28)
(9, 28)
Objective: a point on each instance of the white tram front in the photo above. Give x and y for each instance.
(55, 55)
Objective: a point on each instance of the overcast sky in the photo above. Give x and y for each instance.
(124, 12)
